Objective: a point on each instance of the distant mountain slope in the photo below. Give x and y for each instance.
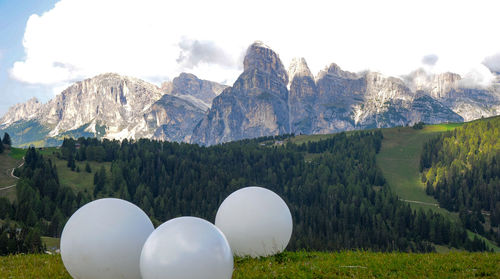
(468, 100)
(265, 100)
(109, 106)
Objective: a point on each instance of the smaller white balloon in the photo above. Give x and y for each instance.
(256, 222)
(186, 248)
(104, 239)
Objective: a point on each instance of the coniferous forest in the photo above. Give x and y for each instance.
(462, 171)
(337, 196)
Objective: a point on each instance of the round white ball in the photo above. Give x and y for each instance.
(256, 222)
(104, 239)
(186, 248)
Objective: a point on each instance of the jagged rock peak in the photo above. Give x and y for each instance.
(335, 70)
(262, 58)
(190, 86)
(19, 111)
(261, 44)
(186, 81)
(115, 76)
(298, 67)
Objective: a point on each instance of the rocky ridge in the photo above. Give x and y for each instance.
(265, 100)
(197, 90)
(256, 105)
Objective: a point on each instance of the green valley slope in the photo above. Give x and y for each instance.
(399, 160)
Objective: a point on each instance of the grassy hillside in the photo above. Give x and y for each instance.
(307, 265)
(78, 181)
(9, 159)
(399, 160)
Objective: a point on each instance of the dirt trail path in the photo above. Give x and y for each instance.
(13, 176)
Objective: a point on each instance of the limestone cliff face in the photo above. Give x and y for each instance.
(256, 105)
(341, 100)
(173, 119)
(451, 90)
(302, 97)
(189, 85)
(265, 100)
(109, 100)
(22, 111)
(110, 106)
(437, 86)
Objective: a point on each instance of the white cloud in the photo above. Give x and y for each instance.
(156, 40)
(478, 77)
(493, 62)
(430, 59)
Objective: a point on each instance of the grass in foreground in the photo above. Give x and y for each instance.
(308, 265)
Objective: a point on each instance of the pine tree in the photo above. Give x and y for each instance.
(1, 148)
(87, 168)
(6, 139)
(71, 163)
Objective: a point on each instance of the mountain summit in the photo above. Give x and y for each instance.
(256, 105)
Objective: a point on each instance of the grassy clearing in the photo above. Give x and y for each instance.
(51, 243)
(82, 180)
(9, 160)
(79, 181)
(305, 138)
(9, 194)
(308, 265)
(399, 160)
(17, 153)
(6, 165)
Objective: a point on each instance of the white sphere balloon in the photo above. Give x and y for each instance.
(104, 239)
(186, 248)
(256, 222)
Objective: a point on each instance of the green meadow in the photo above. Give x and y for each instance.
(348, 264)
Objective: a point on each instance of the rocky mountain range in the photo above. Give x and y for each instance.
(266, 99)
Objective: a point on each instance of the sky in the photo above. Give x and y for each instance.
(45, 45)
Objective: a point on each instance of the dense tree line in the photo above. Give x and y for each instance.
(338, 198)
(461, 169)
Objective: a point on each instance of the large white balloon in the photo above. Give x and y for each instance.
(256, 222)
(104, 239)
(186, 248)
